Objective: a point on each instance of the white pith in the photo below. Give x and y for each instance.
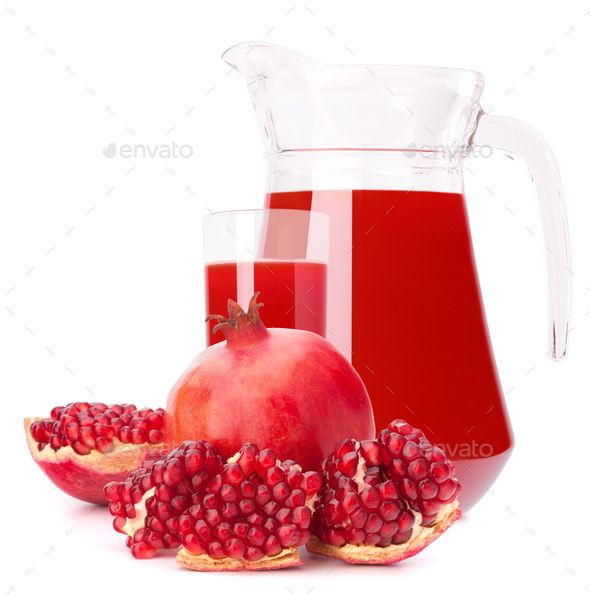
(132, 525)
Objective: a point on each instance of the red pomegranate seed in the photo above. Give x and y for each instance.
(235, 548)
(104, 445)
(138, 436)
(143, 550)
(266, 459)
(80, 448)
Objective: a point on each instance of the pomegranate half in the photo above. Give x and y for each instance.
(284, 389)
(384, 500)
(83, 446)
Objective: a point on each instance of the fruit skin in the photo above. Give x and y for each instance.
(284, 389)
(84, 477)
(384, 500)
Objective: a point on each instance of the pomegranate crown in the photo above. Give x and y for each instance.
(241, 322)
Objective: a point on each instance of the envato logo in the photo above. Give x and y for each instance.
(147, 151)
(466, 450)
(436, 151)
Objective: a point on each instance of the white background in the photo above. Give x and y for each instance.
(101, 269)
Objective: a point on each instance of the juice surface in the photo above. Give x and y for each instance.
(414, 324)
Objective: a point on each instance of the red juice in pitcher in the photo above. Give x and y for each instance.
(293, 292)
(404, 305)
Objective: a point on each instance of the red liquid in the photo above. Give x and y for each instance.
(414, 324)
(293, 292)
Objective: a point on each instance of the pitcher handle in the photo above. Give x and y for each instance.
(514, 138)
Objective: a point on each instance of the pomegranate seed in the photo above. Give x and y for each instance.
(104, 445)
(344, 447)
(118, 523)
(266, 459)
(233, 474)
(143, 550)
(191, 542)
(155, 436)
(230, 511)
(281, 491)
(173, 471)
(138, 436)
(288, 535)
(349, 503)
(80, 449)
(283, 516)
(248, 458)
(401, 537)
(104, 431)
(256, 536)
(301, 517)
(371, 452)
(235, 548)
(274, 476)
(348, 463)
(125, 435)
(311, 483)
(255, 519)
(439, 472)
(263, 493)
(427, 489)
(271, 508)
(129, 510)
(417, 469)
(156, 420)
(228, 493)
(140, 423)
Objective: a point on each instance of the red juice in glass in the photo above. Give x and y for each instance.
(404, 305)
(293, 292)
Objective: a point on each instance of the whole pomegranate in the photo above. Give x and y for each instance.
(284, 389)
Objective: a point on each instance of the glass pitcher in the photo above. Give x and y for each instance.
(381, 149)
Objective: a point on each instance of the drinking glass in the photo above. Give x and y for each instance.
(281, 253)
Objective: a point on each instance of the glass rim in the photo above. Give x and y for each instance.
(253, 211)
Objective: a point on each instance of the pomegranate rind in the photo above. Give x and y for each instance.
(286, 558)
(421, 537)
(84, 477)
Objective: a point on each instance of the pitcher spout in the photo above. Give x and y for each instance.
(257, 58)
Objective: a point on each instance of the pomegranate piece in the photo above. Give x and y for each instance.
(83, 446)
(288, 390)
(147, 504)
(248, 514)
(384, 500)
